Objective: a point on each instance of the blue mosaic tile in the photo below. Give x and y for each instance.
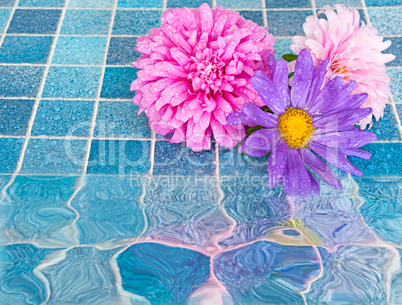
(35, 210)
(386, 128)
(18, 279)
(50, 156)
(91, 3)
(14, 116)
(86, 22)
(118, 199)
(383, 2)
(116, 82)
(282, 47)
(41, 3)
(287, 4)
(396, 83)
(9, 153)
(387, 21)
(360, 11)
(382, 207)
(73, 82)
(233, 163)
(135, 22)
(177, 159)
(239, 4)
(139, 3)
(126, 158)
(4, 15)
(3, 180)
(61, 118)
(121, 51)
(187, 3)
(278, 22)
(20, 80)
(399, 110)
(31, 21)
(87, 273)
(255, 16)
(7, 3)
(25, 49)
(352, 3)
(385, 161)
(79, 50)
(120, 119)
(396, 49)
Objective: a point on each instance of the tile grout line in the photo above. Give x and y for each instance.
(365, 11)
(314, 8)
(8, 22)
(396, 116)
(264, 14)
(35, 106)
(213, 3)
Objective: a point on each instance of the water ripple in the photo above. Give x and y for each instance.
(18, 283)
(183, 209)
(352, 275)
(162, 274)
(265, 271)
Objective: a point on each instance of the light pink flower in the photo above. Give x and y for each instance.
(196, 70)
(354, 51)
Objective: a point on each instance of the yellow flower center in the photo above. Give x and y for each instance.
(338, 69)
(296, 127)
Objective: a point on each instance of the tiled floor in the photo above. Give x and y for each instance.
(70, 135)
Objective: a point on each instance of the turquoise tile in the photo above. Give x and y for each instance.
(386, 128)
(88, 274)
(399, 111)
(125, 158)
(72, 82)
(383, 2)
(41, 3)
(91, 3)
(387, 20)
(51, 156)
(396, 83)
(255, 16)
(177, 159)
(385, 160)
(396, 49)
(138, 3)
(35, 210)
(119, 119)
(118, 199)
(281, 47)
(287, 4)
(382, 207)
(352, 3)
(32, 21)
(239, 4)
(117, 81)
(18, 277)
(279, 25)
(9, 153)
(14, 116)
(186, 3)
(121, 51)
(135, 22)
(86, 22)
(7, 3)
(20, 80)
(79, 50)
(25, 49)
(4, 15)
(61, 118)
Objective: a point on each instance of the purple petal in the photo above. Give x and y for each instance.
(321, 169)
(237, 118)
(349, 103)
(340, 119)
(356, 152)
(316, 84)
(276, 164)
(260, 117)
(260, 142)
(304, 178)
(335, 158)
(315, 186)
(291, 175)
(332, 140)
(356, 136)
(272, 64)
(302, 78)
(281, 82)
(261, 74)
(326, 96)
(268, 93)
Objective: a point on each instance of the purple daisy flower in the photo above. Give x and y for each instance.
(307, 123)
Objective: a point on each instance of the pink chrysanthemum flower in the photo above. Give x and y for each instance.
(196, 70)
(354, 52)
